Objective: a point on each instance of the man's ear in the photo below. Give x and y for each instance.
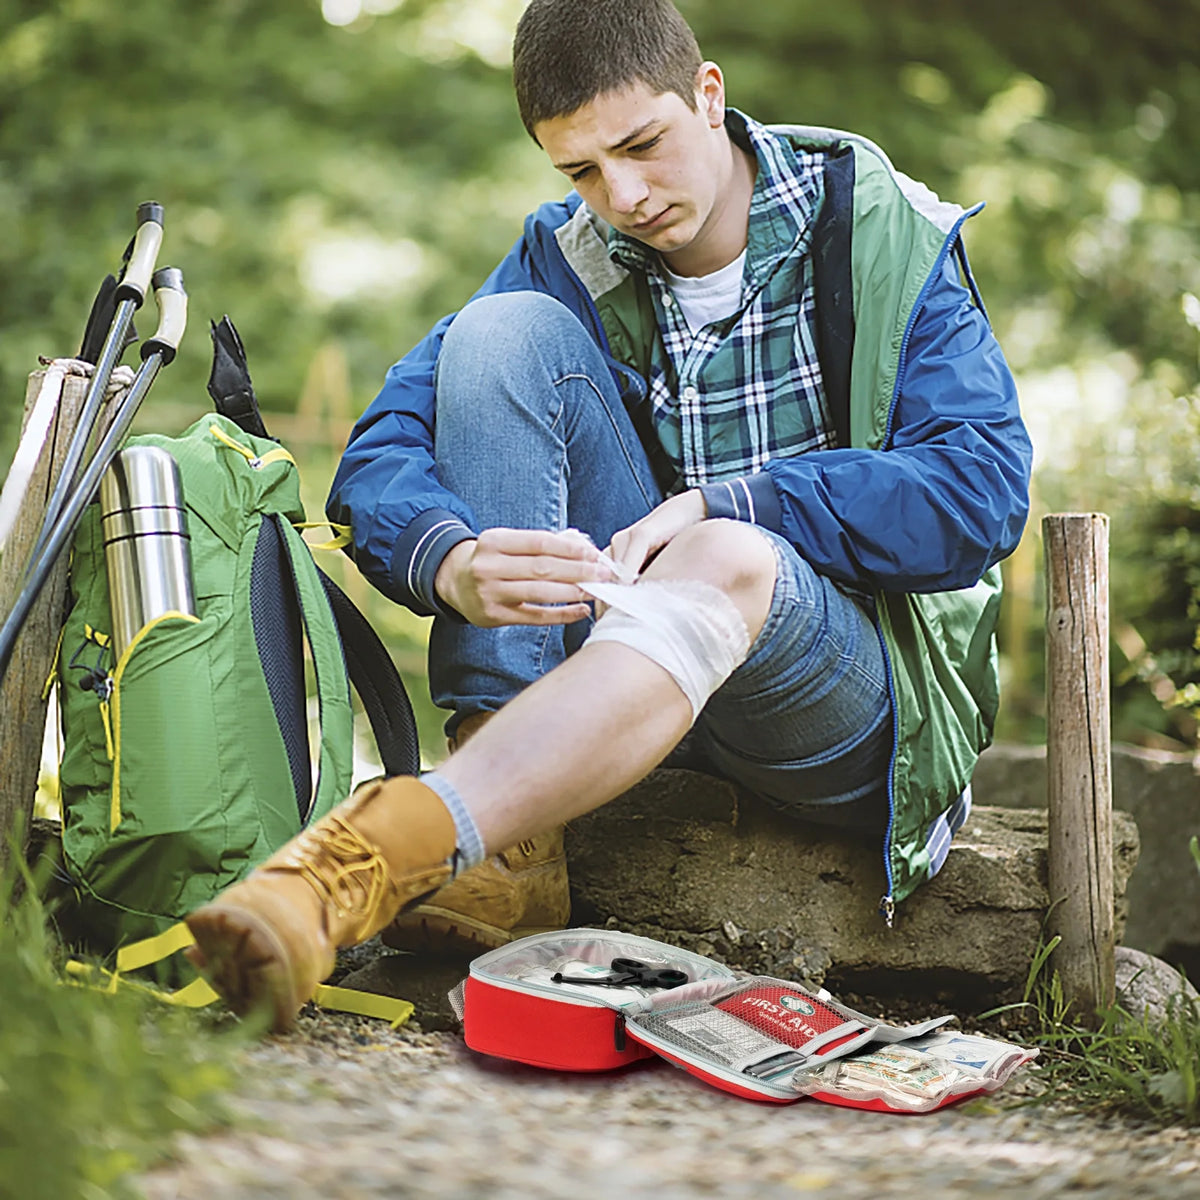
(710, 93)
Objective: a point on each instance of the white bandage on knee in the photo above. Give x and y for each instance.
(691, 629)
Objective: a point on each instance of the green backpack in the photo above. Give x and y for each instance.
(186, 762)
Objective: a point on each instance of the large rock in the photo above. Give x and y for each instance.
(685, 858)
(1161, 792)
(1150, 989)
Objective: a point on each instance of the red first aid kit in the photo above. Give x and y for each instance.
(596, 999)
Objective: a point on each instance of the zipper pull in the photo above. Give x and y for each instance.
(619, 1033)
(104, 689)
(887, 910)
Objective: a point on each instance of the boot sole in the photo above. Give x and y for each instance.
(434, 928)
(244, 960)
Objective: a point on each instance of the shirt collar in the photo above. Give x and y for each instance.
(782, 205)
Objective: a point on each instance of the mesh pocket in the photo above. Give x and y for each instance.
(708, 1033)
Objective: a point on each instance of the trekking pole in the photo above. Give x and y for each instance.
(129, 295)
(157, 352)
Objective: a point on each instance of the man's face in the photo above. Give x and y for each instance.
(648, 164)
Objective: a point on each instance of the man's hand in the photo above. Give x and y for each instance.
(520, 577)
(635, 546)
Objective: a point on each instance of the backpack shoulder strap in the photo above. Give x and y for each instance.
(378, 684)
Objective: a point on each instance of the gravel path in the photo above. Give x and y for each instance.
(347, 1109)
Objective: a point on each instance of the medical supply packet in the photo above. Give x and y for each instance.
(917, 1076)
(595, 999)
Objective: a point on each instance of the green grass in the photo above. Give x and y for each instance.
(91, 1085)
(1126, 1064)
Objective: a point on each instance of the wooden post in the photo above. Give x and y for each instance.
(1078, 753)
(22, 705)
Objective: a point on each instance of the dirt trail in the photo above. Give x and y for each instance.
(347, 1109)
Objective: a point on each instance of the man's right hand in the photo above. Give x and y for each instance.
(520, 577)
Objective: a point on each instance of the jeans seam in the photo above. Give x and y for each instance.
(821, 758)
(540, 656)
(571, 377)
(556, 418)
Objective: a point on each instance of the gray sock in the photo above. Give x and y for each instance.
(469, 848)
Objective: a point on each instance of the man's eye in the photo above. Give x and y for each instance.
(641, 147)
(576, 176)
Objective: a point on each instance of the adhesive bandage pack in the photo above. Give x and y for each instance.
(597, 999)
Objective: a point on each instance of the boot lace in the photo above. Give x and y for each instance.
(344, 868)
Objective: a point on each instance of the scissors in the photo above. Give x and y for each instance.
(629, 972)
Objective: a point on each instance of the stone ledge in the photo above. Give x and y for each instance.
(688, 859)
(1161, 791)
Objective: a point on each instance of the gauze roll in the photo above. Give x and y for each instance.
(691, 629)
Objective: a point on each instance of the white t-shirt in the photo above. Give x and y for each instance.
(704, 299)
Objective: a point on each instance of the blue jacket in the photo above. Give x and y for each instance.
(926, 492)
(952, 480)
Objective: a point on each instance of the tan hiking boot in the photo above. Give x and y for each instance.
(268, 941)
(515, 893)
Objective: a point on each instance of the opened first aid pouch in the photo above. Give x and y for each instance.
(596, 999)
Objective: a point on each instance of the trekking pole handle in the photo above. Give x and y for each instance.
(172, 314)
(142, 254)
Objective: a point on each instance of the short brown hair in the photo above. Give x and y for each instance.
(568, 52)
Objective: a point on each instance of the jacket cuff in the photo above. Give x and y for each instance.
(417, 555)
(748, 498)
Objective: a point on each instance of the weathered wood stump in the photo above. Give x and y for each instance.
(22, 695)
(1079, 757)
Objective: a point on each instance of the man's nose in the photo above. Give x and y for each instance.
(626, 187)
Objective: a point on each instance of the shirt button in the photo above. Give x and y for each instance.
(690, 394)
(668, 300)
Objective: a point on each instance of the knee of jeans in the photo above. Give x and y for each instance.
(731, 555)
(499, 347)
(491, 325)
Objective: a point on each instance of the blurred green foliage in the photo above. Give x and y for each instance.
(343, 185)
(91, 1085)
(337, 187)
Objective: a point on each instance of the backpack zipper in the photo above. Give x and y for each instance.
(112, 701)
(278, 454)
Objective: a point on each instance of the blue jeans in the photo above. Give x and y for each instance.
(532, 434)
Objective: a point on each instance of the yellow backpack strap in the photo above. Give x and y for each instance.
(154, 949)
(196, 994)
(363, 1004)
(341, 534)
(199, 992)
(150, 950)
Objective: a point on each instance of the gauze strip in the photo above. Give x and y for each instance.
(691, 629)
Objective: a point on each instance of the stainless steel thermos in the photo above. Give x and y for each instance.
(146, 545)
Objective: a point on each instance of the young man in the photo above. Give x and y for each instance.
(743, 361)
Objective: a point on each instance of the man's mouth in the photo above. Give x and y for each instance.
(651, 222)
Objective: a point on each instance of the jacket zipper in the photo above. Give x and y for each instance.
(887, 903)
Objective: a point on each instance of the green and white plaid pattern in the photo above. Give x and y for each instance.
(746, 389)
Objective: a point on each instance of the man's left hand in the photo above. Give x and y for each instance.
(635, 546)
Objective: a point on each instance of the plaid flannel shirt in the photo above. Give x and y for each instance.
(746, 389)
